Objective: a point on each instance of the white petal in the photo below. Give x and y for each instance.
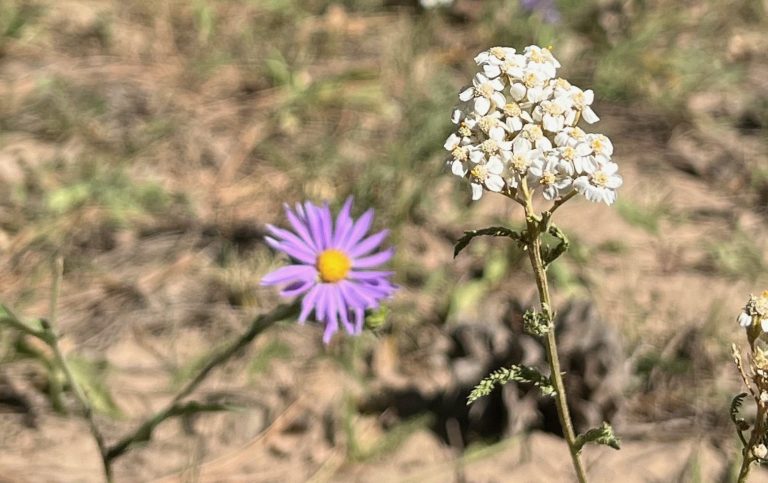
(535, 94)
(745, 320)
(476, 156)
(482, 105)
(477, 191)
(610, 168)
(452, 142)
(517, 91)
(491, 70)
(482, 57)
(497, 84)
(456, 116)
(497, 133)
(467, 94)
(479, 80)
(544, 144)
(457, 168)
(570, 118)
(514, 124)
(495, 166)
(550, 123)
(521, 145)
(499, 99)
(589, 115)
(614, 182)
(494, 182)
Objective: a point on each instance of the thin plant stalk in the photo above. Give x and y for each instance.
(175, 407)
(53, 341)
(747, 457)
(143, 432)
(542, 284)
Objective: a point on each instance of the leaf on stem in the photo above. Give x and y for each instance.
(548, 254)
(33, 328)
(740, 423)
(490, 231)
(518, 373)
(536, 323)
(91, 375)
(602, 435)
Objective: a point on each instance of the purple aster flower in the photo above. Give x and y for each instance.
(333, 269)
(546, 8)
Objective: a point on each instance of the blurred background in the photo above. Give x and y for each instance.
(149, 142)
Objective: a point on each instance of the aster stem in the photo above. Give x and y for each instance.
(534, 254)
(176, 407)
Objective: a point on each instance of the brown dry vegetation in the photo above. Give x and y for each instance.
(149, 142)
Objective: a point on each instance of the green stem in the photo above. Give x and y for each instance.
(50, 337)
(534, 254)
(175, 407)
(754, 439)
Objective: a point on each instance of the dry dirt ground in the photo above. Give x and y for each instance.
(663, 275)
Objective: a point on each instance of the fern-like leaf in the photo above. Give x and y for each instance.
(740, 423)
(518, 373)
(490, 231)
(602, 435)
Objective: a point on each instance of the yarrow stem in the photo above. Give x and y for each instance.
(542, 284)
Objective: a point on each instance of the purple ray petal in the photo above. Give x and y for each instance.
(321, 303)
(286, 236)
(368, 245)
(373, 260)
(291, 250)
(358, 231)
(301, 227)
(289, 273)
(308, 303)
(333, 306)
(343, 223)
(368, 275)
(329, 331)
(353, 296)
(359, 321)
(297, 288)
(315, 225)
(326, 224)
(343, 310)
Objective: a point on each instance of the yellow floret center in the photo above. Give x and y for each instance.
(533, 132)
(497, 52)
(486, 90)
(512, 109)
(333, 265)
(479, 172)
(531, 80)
(600, 179)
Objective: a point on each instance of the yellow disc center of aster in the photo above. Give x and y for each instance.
(333, 265)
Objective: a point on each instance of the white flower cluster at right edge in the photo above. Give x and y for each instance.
(518, 121)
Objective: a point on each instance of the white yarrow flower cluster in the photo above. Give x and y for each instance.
(517, 121)
(755, 312)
